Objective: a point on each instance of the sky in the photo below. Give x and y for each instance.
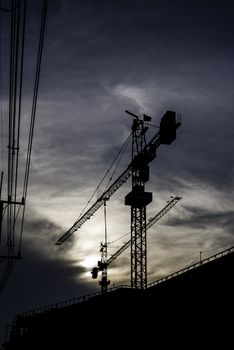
(101, 58)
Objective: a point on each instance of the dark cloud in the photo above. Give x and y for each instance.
(200, 218)
(115, 41)
(43, 276)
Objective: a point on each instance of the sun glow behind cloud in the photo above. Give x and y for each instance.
(174, 242)
(62, 200)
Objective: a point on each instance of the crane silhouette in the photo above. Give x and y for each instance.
(143, 153)
(104, 263)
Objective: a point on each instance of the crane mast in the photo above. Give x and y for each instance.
(149, 224)
(138, 198)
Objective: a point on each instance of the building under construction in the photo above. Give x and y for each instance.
(195, 301)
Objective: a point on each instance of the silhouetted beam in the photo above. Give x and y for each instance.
(150, 223)
(105, 196)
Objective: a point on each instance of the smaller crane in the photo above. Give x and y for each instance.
(104, 262)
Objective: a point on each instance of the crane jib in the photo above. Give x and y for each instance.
(149, 152)
(105, 196)
(150, 223)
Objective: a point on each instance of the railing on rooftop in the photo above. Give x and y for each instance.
(191, 267)
(68, 302)
(83, 298)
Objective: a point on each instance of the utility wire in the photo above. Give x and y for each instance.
(20, 97)
(33, 113)
(17, 42)
(11, 209)
(14, 124)
(12, 116)
(11, 124)
(35, 94)
(1, 95)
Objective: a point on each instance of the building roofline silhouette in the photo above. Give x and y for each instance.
(201, 291)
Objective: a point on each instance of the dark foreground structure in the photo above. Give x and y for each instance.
(191, 306)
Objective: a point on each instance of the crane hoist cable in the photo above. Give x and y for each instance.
(118, 162)
(150, 149)
(118, 155)
(119, 238)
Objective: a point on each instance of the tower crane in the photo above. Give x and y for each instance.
(138, 198)
(103, 264)
(148, 152)
(142, 154)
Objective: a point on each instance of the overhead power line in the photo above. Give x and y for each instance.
(14, 228)
(33, 112)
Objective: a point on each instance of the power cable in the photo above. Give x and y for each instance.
(14, 38)
(1, 98)
(20, 97)
(12, 108)
(33, 113)
(17, 41)
(35, 94)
